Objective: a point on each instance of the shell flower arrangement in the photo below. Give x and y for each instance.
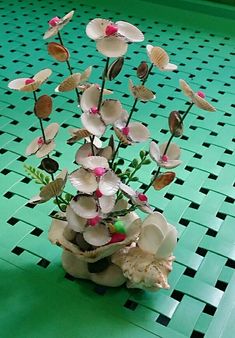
(98, 227)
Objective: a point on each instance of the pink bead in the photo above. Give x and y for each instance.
(142, 197)
(117, 237)
(54, 21)
(99, 171)
(28, 81)
(98, 193)
(40, 141)
(164, 158)
(94, 110)
(201, 94)
(111, 30)
(125, 130)
(93, 221)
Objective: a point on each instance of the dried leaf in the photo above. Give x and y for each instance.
(43, 106)
(163, 180)
(175, 124)
(115, 68)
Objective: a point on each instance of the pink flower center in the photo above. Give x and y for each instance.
(165, 158)
(40, 141)
(142, 197)
(111, 30)
(54, 21)
(94, 110)
(125, 131)
(98, 193)
(93, 221)
(28, 81)
(99, 171)
(117, 237)
(201, 94)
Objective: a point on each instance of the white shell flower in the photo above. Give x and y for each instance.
(157, 236)
(94, 120)
(96, 178)
(168, 160)
(41, 148)
(86, 150)
(56, 24)
(139, 199)
(159, 57)
(111, 38)
(196, 98)
(30, 84)
(134, 132)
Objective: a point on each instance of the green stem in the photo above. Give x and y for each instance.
(167, 147)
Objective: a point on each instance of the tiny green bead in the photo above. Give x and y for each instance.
(119, 226)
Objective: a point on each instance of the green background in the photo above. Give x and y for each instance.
(37, 298)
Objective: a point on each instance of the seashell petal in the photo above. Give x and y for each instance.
(75, 222)
(51, 131)
(115, 68)
(202, 103)
(52, 31)
(138, 132)
(168, 244)
(175, 124)
(70, 83)
(96, 28)
(65, 20)
(111, 111)
(36, 200)
(96, 141)
(84, 206)
(121, 205)
(86, 74)
(43, 106)
(43, 75)
(158, 220)
(106, 152)
(83, 180)
(173, 151)
(127, 190)
(93, 162)
(130, 32)
(78, 134)
(187, 90)
(170, 67)
(170, 164)
(52, 189)
(112, 46)
(97, 235)
(107, 203)
(93, 124)
(33, 147)
(109, 183)
(45, 149)
(141, 92)
(163, 180)
(122, 138)
(150, 238)
(154, 151)
(83, 152)
(142, 70)
(58, 52)
(17, 84)
(158, 57)
(145, 207)
(90, 98)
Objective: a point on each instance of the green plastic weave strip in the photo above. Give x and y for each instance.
(37, 298)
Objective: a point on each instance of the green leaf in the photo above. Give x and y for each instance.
(63, 207)
(147, 161)
(120, 161)
(68, 197)
(47, 179)
(134, 163)
(142, 154)
(134, 179)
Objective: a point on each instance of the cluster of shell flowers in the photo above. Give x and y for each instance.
(102, 236)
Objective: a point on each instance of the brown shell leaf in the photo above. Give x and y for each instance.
(163, 180)
(106, 152)
(70, 83)
(58, 52)
(175, 124)
(142, 70)
(142, 93)
(43, 106)
(122, 138)
(78, 135)
(115, 68)
(52, 189)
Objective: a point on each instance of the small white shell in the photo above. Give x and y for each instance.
(150, 238)
(45, 149)
(173, 151)
(75, 222)
(111, 111)
(83, 152)
(109, 183)
(168, 244)
(129, 31)
(96, 28)
(138, 132)
(84, 206)
(93, 124)
(93, 162)
(51, 131)
(90, 98)
(83, 180)
(70, 83)
(112, 46)
(107, 203)
(42, 75)
(97, 235)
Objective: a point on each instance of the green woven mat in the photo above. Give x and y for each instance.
(37, 298)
